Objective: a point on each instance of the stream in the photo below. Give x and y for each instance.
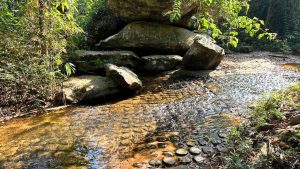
(177, 109)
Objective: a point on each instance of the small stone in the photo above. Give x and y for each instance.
(180, 167)
(162, 145)
(222, 148)
(168, 154)
(125, 142)
(208, 150)
(202, 142)
(169, 161)
(137, 165)
(20, 164)
(288, 132)
(155, 163)
(174, 138)
(151, 145)
(180, 145)
(264, 149)
(199, 159)
(216, 141)
(190, 144)
(295, 120)
(222, 134)
(195, 150)
(149, 139)
(139, 148)
(184, 160)
(161, 139)
(181, 152)
(125, 126)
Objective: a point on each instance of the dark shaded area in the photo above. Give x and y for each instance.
(281, 17)
(109, 99)
(102, 25)
(146, 51)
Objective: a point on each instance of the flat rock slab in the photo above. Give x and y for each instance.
(94, 61)
(160, 63)
(88, 87)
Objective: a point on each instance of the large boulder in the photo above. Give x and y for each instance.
(149, 10)
(160, 63)
(150, 37)
(94, 61)
(123, 77)
(203, 55)
(88, 87)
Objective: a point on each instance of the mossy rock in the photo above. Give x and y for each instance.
(93, 62)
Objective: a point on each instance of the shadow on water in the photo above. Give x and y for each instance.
(110, 99)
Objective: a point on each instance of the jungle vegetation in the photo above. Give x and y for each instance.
(37, 36)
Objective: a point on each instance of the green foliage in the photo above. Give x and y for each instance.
(241, 147)
(34, 36)
(69, 68)
(175, 14)
(26, 86)
(236, 137)
(101, 24)
(281, 17)
(270, 108)
(87, 9)
(235, 162)
(223, 19)
(97, 21)
(246, 141)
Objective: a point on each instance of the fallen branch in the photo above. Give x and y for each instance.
(57, 108)
(279, 56)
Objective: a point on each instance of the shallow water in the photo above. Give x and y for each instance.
(168, 113)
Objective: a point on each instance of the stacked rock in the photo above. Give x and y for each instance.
(149, 43)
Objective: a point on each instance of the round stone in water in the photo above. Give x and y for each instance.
(202, 142)
(190, 144)
(216, 141)
(222, 148)
(181, 152)
(195, 150)
(137, 165)
(222, 134)
(168, 154)
(208, 150)
(184, 160)
(169, 161)
(199, 159)
(155, 163)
